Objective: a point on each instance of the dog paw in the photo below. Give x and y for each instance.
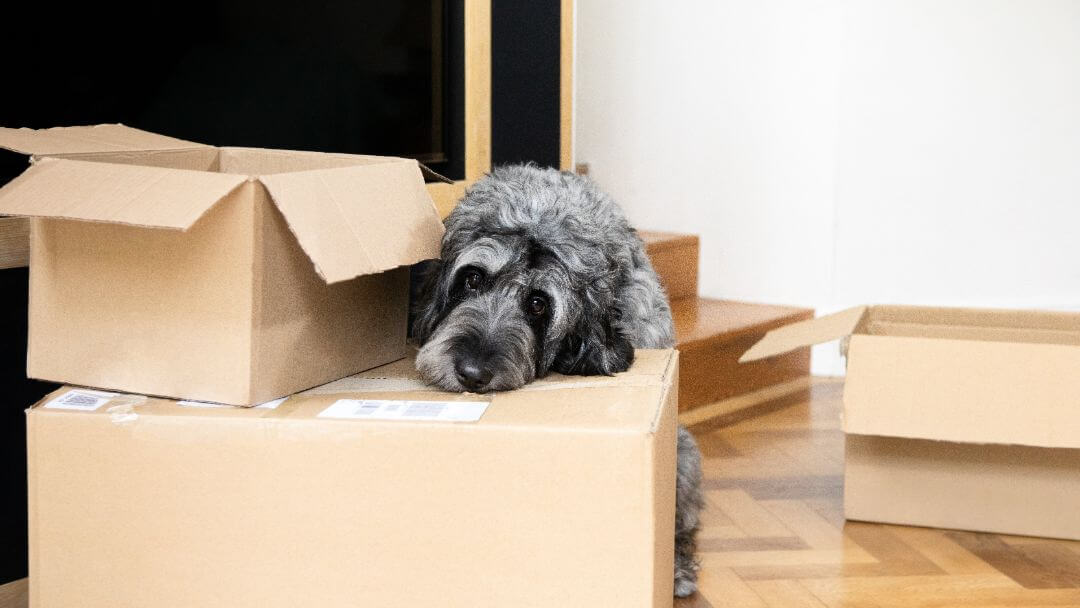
(685, 586)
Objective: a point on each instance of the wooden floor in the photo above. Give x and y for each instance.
(774, 533)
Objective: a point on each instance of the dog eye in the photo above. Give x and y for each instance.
(472, 279)
(537, 306)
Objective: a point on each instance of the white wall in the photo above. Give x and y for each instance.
(835, 152)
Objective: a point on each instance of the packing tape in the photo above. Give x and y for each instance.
(122, 410)
(285, 409)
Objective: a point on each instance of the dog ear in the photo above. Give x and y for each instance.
(613, 355)
(596, 348)
(430, 304)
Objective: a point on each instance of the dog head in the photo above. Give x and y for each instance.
(527, 283)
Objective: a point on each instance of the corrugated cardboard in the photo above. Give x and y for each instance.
(957, 418)
(234, 275)
(562, 494)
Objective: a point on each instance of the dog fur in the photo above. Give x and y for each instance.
(540, 272)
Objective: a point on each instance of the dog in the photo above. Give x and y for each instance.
(541, 272)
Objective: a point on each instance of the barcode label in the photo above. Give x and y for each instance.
(269, 405)
(427, 411)
(80, 399)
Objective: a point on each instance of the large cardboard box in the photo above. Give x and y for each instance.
(561, 494)
(957, 418)
(237, 275)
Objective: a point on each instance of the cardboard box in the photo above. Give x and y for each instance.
(236, 275)
(957, 418)
(562, 494)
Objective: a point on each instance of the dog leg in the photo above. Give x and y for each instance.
(688, 505)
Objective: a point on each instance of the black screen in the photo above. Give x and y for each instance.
(360, 76)
(525, 79)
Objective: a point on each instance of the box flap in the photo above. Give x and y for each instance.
(963, 391)
(77, 140)
(107, 192)
(359, 220)
(805, 333)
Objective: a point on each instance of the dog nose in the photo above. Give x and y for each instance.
(472, 376)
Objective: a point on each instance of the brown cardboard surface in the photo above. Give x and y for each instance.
(960, 418)
(973, 332)
(97, 138)
(262, 161)
(357, 220)
(401, 375)
(557, 496)
(963, 391)
(663, 463)
(805, 333)
(223, 274)
(991, 325)
(114, 320)
(992, 488)
(977, 317)
(201, 158)
(306, 332)
(120, 193)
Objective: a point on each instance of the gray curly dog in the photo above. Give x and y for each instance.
(540, 272)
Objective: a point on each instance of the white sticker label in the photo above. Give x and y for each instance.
(269, 405)
(426, 411)
(81, 399)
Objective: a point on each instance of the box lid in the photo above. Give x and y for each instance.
(154, 197)
(352, 215)
(88, 139)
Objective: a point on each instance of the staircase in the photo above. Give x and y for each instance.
(711, 334)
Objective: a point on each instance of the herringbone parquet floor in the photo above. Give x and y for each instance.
(774, 533)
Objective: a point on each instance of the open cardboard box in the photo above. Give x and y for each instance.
(236, 275)
(956, 418)
(562, 494)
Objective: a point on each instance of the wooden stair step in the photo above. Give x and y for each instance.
(675, 258)
(711, 335)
